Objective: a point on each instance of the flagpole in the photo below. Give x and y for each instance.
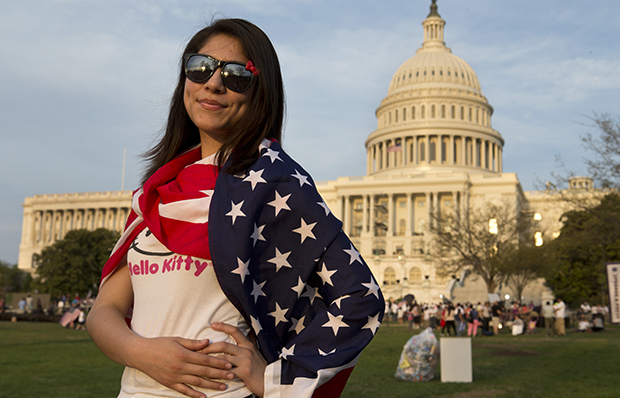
(123, 173)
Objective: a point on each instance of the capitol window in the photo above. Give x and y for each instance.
(415, 275)
(413, 112)
(389, 276)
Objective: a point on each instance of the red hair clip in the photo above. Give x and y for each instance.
(250, 66)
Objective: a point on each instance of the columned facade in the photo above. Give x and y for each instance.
(48, 218)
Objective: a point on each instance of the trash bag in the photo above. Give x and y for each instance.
(419, 358)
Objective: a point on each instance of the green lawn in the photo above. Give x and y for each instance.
(45, 360)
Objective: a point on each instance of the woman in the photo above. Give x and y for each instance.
(472, 320)
(238, 279)
(448, 316)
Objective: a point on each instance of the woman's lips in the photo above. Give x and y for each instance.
(210, 104)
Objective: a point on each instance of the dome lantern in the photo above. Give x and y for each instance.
(433, 29)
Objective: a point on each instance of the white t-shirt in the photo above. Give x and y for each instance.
(176, 295)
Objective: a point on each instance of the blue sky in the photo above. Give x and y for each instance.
(81, 80)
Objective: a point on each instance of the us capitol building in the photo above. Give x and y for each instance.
(434, 150)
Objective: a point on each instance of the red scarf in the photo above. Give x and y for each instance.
(174, 205)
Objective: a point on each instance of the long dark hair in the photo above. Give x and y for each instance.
(264, 117)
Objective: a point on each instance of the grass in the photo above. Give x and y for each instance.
(45, 360)
(576, 365)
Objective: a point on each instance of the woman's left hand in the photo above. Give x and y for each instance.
(248, 363)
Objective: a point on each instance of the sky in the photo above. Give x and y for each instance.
(83, 81)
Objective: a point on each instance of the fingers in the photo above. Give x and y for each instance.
(234, 332)
(193, 345)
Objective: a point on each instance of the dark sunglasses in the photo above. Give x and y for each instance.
(199, 68)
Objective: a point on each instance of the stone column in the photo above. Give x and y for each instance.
(428, 210)
(346, 219)
(451, 151)
(383, 155)
(436, 204)
(364, 215)
(390, 220)
(28, 226)
(408, 221)
(499, 157)
(427, 149)
(455, 204)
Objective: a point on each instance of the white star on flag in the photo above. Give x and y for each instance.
(373, 288)
(326, 275)
(256, 325)
(355, 255)
(242, 269)
(280, 203)
(255, 178)
(324, 354)
(273, 155)
(280, 260)
(311, 293)
(286, 352)
(335, 322)
(257, 234)
(300, 286)
(373, 323)
(302, 178)
(298, 324)
(236, 211)
(305, 230)
(324, 206)
(339, 299)
(257, 290)
(279, 314)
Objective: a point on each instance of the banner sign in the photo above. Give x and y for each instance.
(613, 283)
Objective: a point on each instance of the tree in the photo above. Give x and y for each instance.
(604, 167)
(527, 264)
(588, 239)
(73, 264)
(12, 279)
(482, 239)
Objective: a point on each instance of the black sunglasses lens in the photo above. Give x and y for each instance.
(199, 68)
(236, 77)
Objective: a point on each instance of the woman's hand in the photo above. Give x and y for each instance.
(172, 361)
(248, 363)
(177, 364)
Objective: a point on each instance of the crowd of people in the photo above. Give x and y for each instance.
(487, 319)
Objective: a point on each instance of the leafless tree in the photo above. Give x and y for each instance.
(481, 239)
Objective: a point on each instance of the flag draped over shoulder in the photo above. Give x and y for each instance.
(283, 260)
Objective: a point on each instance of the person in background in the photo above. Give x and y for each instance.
(559, 311)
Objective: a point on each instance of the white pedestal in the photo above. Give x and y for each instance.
(455, 355)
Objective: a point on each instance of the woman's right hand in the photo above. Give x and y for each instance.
(174, 362)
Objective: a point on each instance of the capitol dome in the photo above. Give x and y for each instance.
(434, 114)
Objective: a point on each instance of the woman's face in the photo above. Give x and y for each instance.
(214, 108)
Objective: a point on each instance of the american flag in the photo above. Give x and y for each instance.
(282, 259)
(69, 316)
